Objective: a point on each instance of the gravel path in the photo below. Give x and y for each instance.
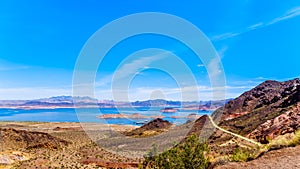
(231, 133)
(287, 158)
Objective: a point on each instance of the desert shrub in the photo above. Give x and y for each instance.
(296, 139)
(241, 155)
(189, 154)
(285, 141)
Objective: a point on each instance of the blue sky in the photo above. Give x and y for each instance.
(41, 40)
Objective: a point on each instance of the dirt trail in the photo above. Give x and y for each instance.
(234, 134)
(287, 158)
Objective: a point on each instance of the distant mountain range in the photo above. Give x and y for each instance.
(82, 102)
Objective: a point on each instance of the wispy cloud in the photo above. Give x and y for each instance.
(133, 67)
(7, 66)
(255, 26)
(288, 15)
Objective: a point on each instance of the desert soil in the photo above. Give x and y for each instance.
(287, 158)
(80, 152)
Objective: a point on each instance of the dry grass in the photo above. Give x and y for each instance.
(287, 140)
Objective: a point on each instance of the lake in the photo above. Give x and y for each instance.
(89, 115)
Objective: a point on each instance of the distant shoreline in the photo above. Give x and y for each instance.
(92, 107)
(87, 102)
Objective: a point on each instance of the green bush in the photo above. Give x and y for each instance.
(241, 155)
(187, 155)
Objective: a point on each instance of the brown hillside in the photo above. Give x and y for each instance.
(268, 110)
(12, 139)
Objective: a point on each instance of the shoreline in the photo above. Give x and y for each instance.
(61, 126)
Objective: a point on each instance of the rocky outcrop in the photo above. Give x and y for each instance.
(154, 127)
(268, 110)
(287, 122)
(268, 94)
(157, 124)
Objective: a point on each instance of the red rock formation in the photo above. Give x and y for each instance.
(287, 122)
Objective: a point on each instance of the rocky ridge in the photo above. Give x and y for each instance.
(267, 111)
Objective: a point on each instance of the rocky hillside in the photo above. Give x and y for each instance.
(267, 111)
(12, 139)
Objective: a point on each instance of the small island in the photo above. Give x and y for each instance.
(168, 110)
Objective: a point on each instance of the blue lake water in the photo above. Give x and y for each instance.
(89, 115)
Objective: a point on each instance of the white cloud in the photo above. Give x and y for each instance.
(255, 26)
(288, 15)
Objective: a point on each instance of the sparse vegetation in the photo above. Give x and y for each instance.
(288, 140)
(242, 155)
(189, 154)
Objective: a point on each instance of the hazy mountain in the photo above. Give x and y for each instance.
(68, 101)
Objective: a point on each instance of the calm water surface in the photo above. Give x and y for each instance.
(89, 115)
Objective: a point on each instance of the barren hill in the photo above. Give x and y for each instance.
(13, 139)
